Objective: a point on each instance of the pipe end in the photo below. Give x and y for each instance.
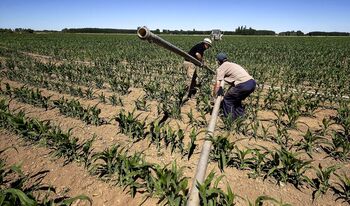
(143, 32)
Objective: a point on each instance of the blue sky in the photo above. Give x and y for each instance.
(304, 15)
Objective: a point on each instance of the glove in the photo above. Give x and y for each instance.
(220, 92)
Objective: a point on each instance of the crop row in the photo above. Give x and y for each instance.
(158, 130)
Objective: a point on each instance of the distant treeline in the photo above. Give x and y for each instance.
(241, 30)
(99, 30)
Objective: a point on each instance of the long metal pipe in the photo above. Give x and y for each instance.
(202, 165)
(145, 34)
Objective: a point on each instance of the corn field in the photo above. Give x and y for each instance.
(114, 105)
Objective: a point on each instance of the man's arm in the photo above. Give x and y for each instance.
(199, 56)
(216, 88)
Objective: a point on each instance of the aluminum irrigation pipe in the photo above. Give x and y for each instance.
(202, 165)
(145, 34)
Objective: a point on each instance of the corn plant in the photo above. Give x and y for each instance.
(89, 93)
(321, 183)
(242, 159)
(197, 122)
(342, 188)
(105, 164)
(31, 96)
(213, 195)
(310, 142)
(130, 125)
(115, 101)
(141, 104)
(221, 150)
(254, 126)
(204, 103)
(228, 123)
(339, 147)
(265, 132)
(63, 144)
(326, 123)
(155, 133)
(312, 102)
(282, 137)
(102, 98)
(191, 146)
(133, 172)
(258, 162)
(173, 138)
(170, 108)
(343, 118)
(271, 98)
(286, 167)
(73, 108)
(169, 185)
(120, 85)
(8, 90)
(86, 153)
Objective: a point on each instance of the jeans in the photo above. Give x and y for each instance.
(232, 102)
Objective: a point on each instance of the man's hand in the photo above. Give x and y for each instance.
(220, 91)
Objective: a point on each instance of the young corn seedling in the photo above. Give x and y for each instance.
(169, 185)
(286, 167)
(321, 183)
(155, 133)
(115, 101)
(63, 144)
(173, 138)
(105, 164)
(265, 132)
(130, 125)
(133, 172)
(258, 165)
(31, 96)
(242, 159)
(343, 118)
(339, 147)
(141, 104)
(89, 93)
(326, 123)
(271, 98)
(312, 102)
(213, 195)
(310, 142)
(342, 188)
(228, 123)
(221, 150)
(86, 153)
(102, 98)
(192, 119)
(191, 146)
(282, 137)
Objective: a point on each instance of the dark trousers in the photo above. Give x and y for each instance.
(232, 102)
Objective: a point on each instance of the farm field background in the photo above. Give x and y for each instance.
(104, 114)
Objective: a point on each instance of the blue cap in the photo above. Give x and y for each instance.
(221, 57)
